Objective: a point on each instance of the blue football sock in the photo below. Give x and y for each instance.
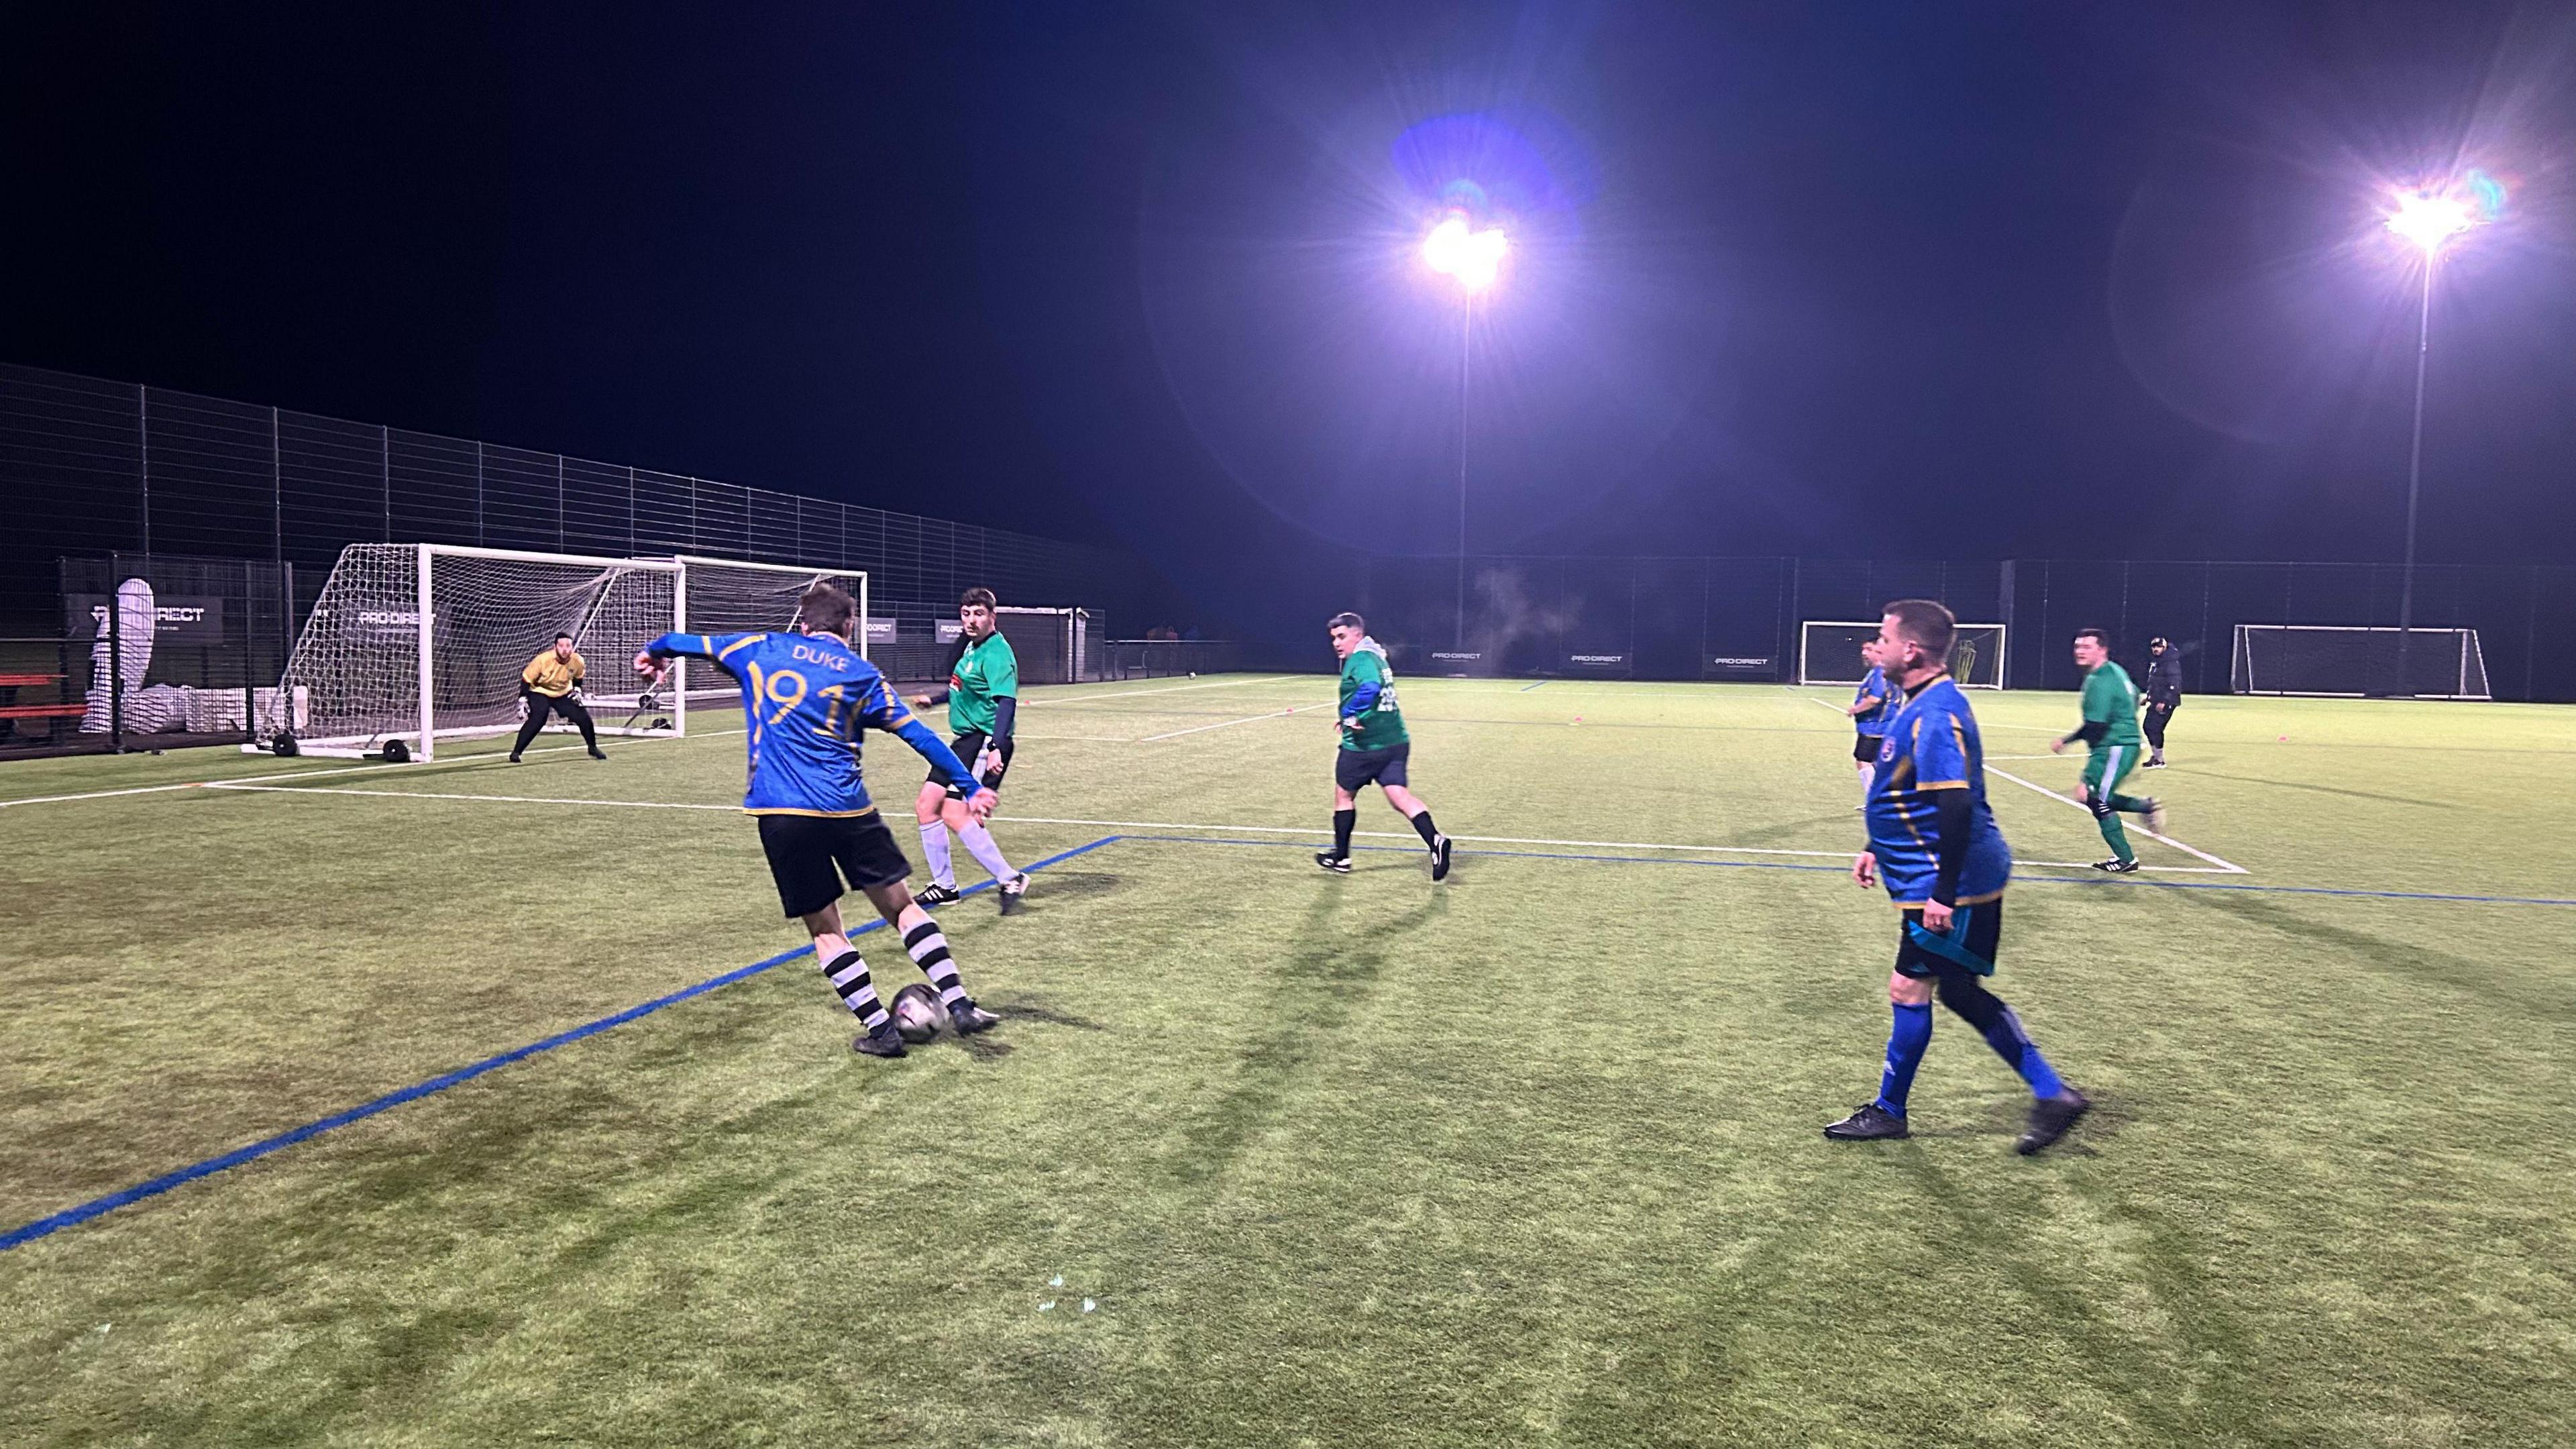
(2022, 1055)
(1905, 1043)
(1996, 1022)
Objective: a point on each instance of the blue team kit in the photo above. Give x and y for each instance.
(805, 697)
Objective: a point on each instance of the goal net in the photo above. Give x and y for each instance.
(1829, 653)
(425, 642)
(1053, 646)
(728, 596)
(2355, 662)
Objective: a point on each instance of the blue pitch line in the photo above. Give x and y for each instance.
(2018, 878)
(97, 1206)
(1526, 688)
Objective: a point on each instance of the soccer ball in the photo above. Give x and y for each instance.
(917, 1013)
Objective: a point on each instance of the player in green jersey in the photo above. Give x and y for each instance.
(983, 703)
(1374, 748)
(2110, 728)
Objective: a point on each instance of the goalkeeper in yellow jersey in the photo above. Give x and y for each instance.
(551, 685)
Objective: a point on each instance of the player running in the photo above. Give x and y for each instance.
(1934, 842)
(1868, 711)
(2111, 728)
(1374, 747)
(548, 685)
(983, 702)
(805, 697)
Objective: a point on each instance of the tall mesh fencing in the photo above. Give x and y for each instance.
(1742, 618)
(93, 467)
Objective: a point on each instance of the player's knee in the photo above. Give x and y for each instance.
(1904, 990)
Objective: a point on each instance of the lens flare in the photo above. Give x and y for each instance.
(2427, 221)
(1456, 249)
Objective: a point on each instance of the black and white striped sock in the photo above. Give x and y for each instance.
(848, 973)
(930, 952)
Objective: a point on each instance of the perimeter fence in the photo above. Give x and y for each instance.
(1739, 618)
(91, 468)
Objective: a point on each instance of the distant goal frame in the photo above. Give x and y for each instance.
(2471, 654)
(1806, 676)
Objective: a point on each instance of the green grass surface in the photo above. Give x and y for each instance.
(1530, 1157)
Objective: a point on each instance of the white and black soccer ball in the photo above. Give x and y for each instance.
(917, 1013)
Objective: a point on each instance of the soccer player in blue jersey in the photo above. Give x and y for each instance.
(1868, 711)
(1934, 842)
(805, 697)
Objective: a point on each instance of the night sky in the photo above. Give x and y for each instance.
(1976, 281)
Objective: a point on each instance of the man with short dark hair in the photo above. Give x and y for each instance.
(550, 685)
(1375, 747)
(983, 704)
(2164, 696)
(805, 697)
(2110, 728)
(1934, 842)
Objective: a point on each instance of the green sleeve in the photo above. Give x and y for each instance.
(2100, 696)
(1002, 676)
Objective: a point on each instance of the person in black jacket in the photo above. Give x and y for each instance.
(2164, 696)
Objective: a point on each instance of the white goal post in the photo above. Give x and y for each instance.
(1053, 645)
(420, 642)
(730, 596)
(1829, 653)
(2351, 661)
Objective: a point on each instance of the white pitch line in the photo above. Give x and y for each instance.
(2224, 867)
(307, 774)
(448, 795)
(1247, 719)
(335, 770)
(1843, 855)
(1049, 703)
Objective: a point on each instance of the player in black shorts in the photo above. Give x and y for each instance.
(806, 697)
(1375, 749)
(983, 703)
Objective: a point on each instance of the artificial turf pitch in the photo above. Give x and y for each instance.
(1529, 1157)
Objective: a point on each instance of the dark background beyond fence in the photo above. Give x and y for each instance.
(89, 468)
(1738, 618)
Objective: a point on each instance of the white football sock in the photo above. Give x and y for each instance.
(979, 844)
(934, 848)
(1868, 777)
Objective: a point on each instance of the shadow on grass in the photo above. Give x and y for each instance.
(2327, 790)
(1315, 992)
(2383, 955)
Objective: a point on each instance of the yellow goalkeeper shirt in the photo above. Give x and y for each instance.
(550, 676)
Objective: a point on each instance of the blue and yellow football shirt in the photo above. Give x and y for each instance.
(1932, 746)
(1874, 685)
(805, 697)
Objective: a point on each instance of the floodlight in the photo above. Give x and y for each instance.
(2426, 222)
(1454, 249)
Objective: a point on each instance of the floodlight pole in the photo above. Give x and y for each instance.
(2414, 483)
(1466, 325)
